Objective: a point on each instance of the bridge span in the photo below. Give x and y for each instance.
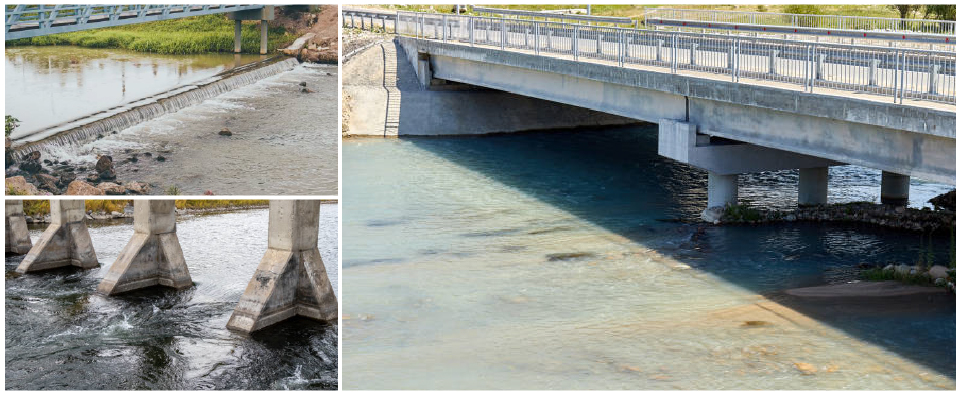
(726, 104)
(289, 281)
(33, 20)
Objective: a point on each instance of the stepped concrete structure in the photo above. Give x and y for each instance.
(153, 255)
(17, 236)
(66, 242)
(290, 279)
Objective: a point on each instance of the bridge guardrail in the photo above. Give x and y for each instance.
(895, 72)
(807, 20)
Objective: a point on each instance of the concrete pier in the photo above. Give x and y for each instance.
(17, 236)
(66, 242)
(894, 189)
(812, 187)
(263, 15)
(153, 256)
(237, 39)
(290, 279)
(722, 189)
(263, 37)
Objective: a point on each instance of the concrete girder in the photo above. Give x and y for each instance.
(291, 279)
(66, 242)
(153, 255)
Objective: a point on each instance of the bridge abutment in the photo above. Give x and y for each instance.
(291, 279)
(17, 236)
(153, 255)
(66, 242)
(894, 189)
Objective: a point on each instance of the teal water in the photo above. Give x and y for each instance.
(567, 260)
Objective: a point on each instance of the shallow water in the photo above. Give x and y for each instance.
(283, 142)
(61, 335)
(555, 260)
(46, 86)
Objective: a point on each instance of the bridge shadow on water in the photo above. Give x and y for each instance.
(613, 178)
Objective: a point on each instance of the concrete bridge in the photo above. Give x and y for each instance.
(290, 280)
(32, 20)
(728, 105)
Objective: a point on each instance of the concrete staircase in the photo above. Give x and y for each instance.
(391, 125)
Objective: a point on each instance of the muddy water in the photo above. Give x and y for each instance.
(61, 335)
(46, 86)
(552, 260)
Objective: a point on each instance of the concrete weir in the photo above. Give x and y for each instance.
(66, 242)
(17, 236)
(290, 279)
(153, 256)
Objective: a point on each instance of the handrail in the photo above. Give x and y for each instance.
(807, 20)
(895, 72)
(554, 15)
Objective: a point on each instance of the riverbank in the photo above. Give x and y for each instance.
(38, 211)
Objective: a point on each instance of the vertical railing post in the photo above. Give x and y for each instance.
(693, 53)
(471, 26)
(659, 49)
(673, 54)
(932, 78)
(874, 70)
(503, 33)
(443, 34)
(574, 41)
(731, 60)
(536, 37)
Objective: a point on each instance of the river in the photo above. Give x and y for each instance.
(566, 260)
(61, 335)
(284, 141)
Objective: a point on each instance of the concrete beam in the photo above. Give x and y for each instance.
(17, 236)
(265, 13)
(290, 279)
(66, 242)
(153, 256)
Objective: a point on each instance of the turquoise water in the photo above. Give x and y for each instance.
(568, 260)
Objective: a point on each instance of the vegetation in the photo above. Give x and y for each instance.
(173, 190)
(36, 207)
(10, 123)
(194, 35)
(741, 212)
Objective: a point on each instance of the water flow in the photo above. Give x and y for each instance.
(62, 335)
(555, 260)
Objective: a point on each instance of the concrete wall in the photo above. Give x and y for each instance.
(904, 139)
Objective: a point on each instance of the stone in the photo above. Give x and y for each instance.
(805, 368)
(66, 178)
(938, 271)
(93, 178)
(161, 158)
(48, 182)
(225, 132)
(903, 269)
(31, 164)
(790, 218)
(940, 281)
(888, 268)
(303, 83)
(19, 186)
(82, 188)
(104, 168)
(712, 215)
(138, 188)
(110, 188)
(946, 201)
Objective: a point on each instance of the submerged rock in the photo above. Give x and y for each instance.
(225, 132)
(805, 368)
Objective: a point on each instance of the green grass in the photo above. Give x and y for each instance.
(37, 207)
(194, 35)
(210, 203)
(741, 212)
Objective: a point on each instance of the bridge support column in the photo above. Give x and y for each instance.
(236, 36)
(812, 187)
(66, 242)
(290, 279)
(153, 255)
(263, 36)
(17, 237)
(722, 189)
(894, 189)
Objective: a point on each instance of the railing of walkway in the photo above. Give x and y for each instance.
(895, 72)
(804, 20)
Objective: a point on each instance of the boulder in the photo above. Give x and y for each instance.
(938, 271)
(48, 182)
(82, 188)
(138, 188)
(225, 132)
(104, 168)
(31, 164)
(93, 178)
(712, 214)
(110, 188)
(19, 186)
(940, 281)
(66, 178)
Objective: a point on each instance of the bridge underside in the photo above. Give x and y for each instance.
(902, 139)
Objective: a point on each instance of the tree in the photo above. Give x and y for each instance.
(904, 9)
(943, 12)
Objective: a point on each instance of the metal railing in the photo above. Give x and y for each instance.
(805, 20)
(894, 72)
(555, 15)
(31, 20)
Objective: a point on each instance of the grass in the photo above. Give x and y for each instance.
(194, 35)
(38, 207)
(741, 212)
